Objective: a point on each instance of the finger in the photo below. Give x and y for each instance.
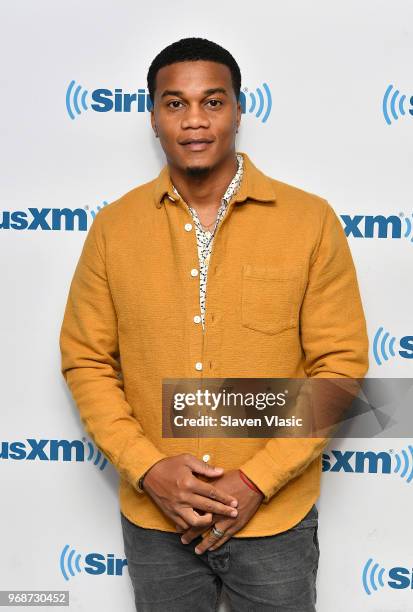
(193, 519)
(220, 542)
(200, 467)
(180, 524)
(192, 533)
(211, 539)
(207, 489)
(180, 521)
(211, 506)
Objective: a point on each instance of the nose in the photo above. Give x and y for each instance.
(194, 117)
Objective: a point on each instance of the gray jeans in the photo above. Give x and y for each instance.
(276, 573)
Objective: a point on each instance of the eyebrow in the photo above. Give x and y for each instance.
(207, 92)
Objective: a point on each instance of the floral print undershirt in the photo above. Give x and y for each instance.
(205, 238)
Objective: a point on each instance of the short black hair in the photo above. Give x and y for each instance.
(193, 49)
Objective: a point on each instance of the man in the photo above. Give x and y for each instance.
(282, 300)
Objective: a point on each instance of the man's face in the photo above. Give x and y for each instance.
(196, 114)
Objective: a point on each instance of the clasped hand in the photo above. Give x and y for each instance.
(225, 501)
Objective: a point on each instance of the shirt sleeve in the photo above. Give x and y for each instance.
(90, 364)
(335, 344)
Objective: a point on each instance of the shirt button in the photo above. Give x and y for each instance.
(188, 227)
(206, 458)
(198, 365)
(197, 319)
(194, 272)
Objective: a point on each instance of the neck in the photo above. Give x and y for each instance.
(206, 191)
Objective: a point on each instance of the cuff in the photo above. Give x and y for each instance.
(260, 470)
(144, 466)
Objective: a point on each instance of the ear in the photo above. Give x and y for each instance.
(239, 113)
(153, 123)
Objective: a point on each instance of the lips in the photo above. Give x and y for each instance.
(196, 144)
(191, 140)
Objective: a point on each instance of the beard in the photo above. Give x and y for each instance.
(197, 171)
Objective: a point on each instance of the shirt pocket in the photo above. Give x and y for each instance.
(270, 298)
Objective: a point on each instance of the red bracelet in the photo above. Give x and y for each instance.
(250, 484)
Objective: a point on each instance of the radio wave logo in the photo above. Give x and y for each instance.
(372, 576)
(409, 226)
(72, 563)
(393, 105)
(260, 102)
(370, 462)
(102, 100)
(94, 211)
(75, 99)
(404, 464)
(33, 449)
(69, 562)
(379, 226)
(383, 346)
(95, 455)
(49, 219)
(375, 577)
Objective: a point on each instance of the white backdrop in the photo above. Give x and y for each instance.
(326, 66)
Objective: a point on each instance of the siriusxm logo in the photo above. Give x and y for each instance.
(78, 100)
(393, 105)
(370, 462)
(49, 219)
(378, 226)
(374, 576)
(384, 343)
(53, 450)
(94, 563)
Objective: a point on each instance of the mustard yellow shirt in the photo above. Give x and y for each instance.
(282, 301)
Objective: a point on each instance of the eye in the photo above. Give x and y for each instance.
(216, 102)
(174, 102)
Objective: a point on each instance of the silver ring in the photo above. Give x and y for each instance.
(218, 533)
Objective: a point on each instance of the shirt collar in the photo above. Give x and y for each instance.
(234, 184)
(255, 185)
